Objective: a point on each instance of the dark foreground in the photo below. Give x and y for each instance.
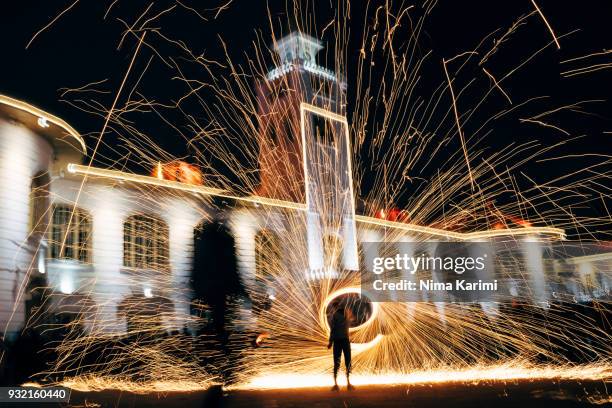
(497, 395)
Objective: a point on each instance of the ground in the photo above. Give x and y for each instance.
(498, 395)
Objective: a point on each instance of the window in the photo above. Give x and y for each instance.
(267, 256)
(145, 243)
(322, 130)
(39, 204)
(267, 266)
(70, 234)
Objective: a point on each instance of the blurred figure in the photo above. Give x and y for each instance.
(339, 339)
(26, 358)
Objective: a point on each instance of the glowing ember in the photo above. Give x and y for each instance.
(178, 171)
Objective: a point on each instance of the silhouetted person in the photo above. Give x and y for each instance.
(339, 339)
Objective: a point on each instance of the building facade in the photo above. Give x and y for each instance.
(90, 238)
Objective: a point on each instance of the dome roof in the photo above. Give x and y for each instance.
(63, 137)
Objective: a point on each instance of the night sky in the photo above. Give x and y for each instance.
(81, 47)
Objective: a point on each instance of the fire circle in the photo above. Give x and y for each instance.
(363, 309)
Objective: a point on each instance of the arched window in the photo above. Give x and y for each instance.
(39, 204)
(145, 243)
(267, 256)
(267, 266)
(70, 236)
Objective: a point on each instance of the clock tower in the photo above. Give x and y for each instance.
(305, 153)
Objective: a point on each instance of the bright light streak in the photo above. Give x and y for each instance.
(39, 113)
(486, 374)
(136, 178)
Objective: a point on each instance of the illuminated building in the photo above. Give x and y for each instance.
(86, 236)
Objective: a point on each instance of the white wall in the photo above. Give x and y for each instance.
(23, 154)
(106, 281)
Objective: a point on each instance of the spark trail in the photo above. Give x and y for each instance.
(393, 122)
